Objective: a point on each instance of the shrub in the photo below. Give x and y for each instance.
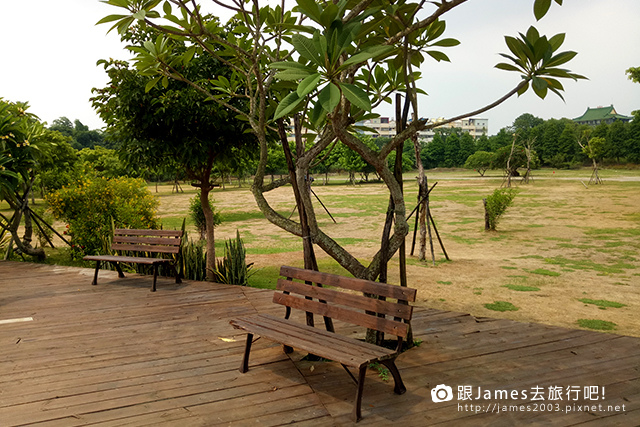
(192, 262)
(233, 269)
(496, 205)
(197, 215)
(89, 206)
(480, 161)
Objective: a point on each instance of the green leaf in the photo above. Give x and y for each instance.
(556, 41)
(290, 65)
(540, 87)
(166, 7)
(310, 8)
(291, 75)
(329, 97)
(438, 56)
(329, 14)
(516, 47)
(306, 49)
(540, 8)
(446, 43)
(508, 67)
(140, 15)
(188, 55)
(110, 18)
(523, 89)
(560, 59)
(367, 54)
(287, 105)
(152, 83)
(308, 84)
(317, 115)
(356, 96)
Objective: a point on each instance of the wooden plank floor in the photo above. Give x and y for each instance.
(116, 354)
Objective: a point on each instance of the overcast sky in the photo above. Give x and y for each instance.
(49, 51)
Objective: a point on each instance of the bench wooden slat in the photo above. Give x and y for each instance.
(131, 259)
(344, 344)
(382, 289)
(145, 248)
(316, 341)
(134, 232)
(356, 301)
(165, 241)
(366, 320)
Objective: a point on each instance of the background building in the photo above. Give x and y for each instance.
(595, 116)
(384, 127)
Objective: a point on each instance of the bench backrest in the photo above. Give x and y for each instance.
(159, 241)
(373, 313)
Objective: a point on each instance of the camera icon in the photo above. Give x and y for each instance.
(441, 393)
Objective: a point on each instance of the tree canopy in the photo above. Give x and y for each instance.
(326, 65)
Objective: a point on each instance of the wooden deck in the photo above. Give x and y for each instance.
(116, 354)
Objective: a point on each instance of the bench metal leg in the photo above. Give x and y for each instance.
(118, 269)
(244, 366)
(95, 275)
(155, 277)
(357, 413)
(175, 271)
(399, 385)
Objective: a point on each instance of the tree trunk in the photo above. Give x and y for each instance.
(20, 208)
(205, 189)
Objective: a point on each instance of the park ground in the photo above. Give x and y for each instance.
(565, 253)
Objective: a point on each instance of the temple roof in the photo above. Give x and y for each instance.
(601, 113)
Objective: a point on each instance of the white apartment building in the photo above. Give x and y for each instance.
(385, 127)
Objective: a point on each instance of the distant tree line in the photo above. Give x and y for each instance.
(554, 143)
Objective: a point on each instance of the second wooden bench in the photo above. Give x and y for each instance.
(141, 241)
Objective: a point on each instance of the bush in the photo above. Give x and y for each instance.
(192, 262)
(89, 206)
(197, 215)
(480, 161)
(496, 205)
(233, 269)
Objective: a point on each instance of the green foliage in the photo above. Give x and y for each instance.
(59, 165)
(89, 206)
(501, 306)
(103, 162)
(79, 135)
(521, 288)
(601, 303)
(634, 74)
(544, 272)
(197, 215)
(233, 268)
(192, 260)
(533, 56)
(480, 161)
(598, 325)
(497, 204)
(383, 372)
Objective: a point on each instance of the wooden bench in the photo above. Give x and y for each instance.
(150, 241)
(374, 313)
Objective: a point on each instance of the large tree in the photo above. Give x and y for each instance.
(173, 123)
(327, 65)
(22, 143)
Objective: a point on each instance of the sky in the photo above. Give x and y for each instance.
(49, 51)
